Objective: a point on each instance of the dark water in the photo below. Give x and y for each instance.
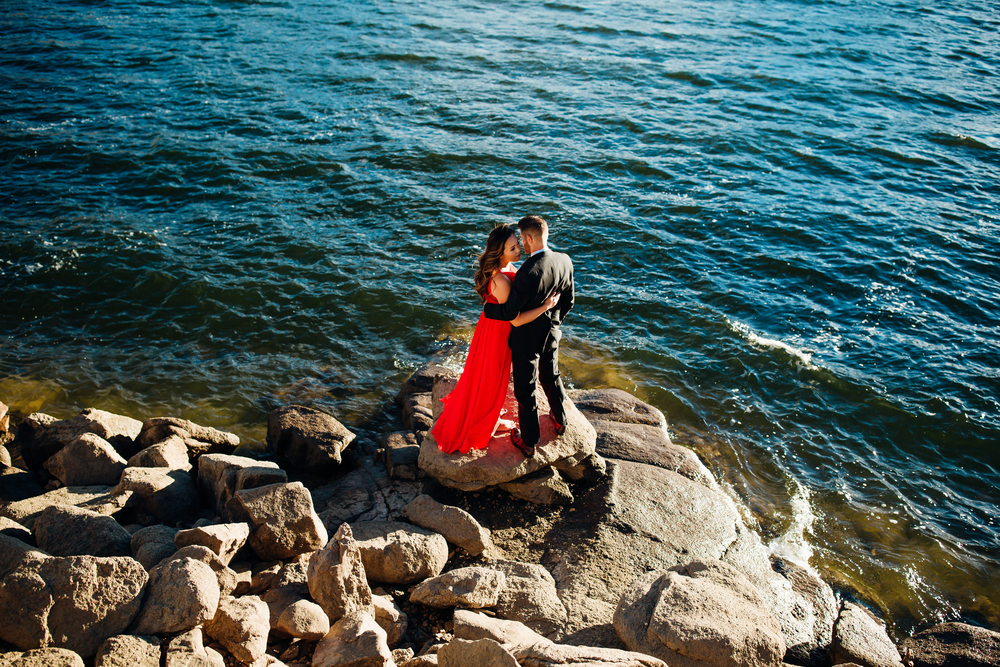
(784, 218)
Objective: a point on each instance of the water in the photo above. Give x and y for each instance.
(784, 218)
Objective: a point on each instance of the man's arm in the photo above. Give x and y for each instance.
(510, 308)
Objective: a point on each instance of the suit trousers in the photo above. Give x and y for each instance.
(534, 359)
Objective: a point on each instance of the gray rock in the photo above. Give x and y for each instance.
(859, 637)
(199, 440)
(224, 539)
(616, 405)
(71, 531)
(399, 553)
(422, 381)
(171, 453)
(42, 436)
(241, 625)
(152, 544)
(337, 579)
(284, 522)
(418, 412)
(218, 475)
(12, 528)
(74, 603)
(14, 552)
(46, 657)
(390, 618)
(651, 445)
(129, 651)
(365, 494)
(86, 460)
(303, 619)
(168, 495)
(953, 645)
(455, 524)
(543, 487)
(187, 650)
(806, 609)
(473, 587)
(306, 438)
(530, 597)
(5, 459)
(353, 641)
(591, 469)
(97, 498)
(402, 454)
(703, 613)
(182, 594)
(479, 653)
(226, 577)
(501, 462)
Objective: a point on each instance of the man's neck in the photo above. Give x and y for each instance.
(542, 249)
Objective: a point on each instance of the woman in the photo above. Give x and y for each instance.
(472, 410)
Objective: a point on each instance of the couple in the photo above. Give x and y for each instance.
(519, 329)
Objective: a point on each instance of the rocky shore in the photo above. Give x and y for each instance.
(162, 542)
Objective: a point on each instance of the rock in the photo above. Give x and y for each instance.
(390, 618)
(168, 495)
(337, 579)
(858, 637)
(479, 653)
(224, 539)
(651, 445)
(399, 553)
(533, 650)
(171, 453)
(241, 625)
(218, 477)
(616, 405)
(46, 657)
(303, 619)
(418, 412)
(353, 641)
(129, 651)
(806, 609)
(227, 578)
(182, 594)
(306, 438)
(530, 597)
(402, 454)
(284, 522)
(86, 460)
(427, 660)
(591, 469)
(17, 485)
(400, 655)
(543, 487)
(188, 650)
(71, 531)
(422, 381)
(953, 645)
(474, 587)
(5, 459)
(42, 436)
(97, 498)
(199, 440)
(74, 603)
(365, 494)
(12, 528)
(501, 462)
(455, 524)
(703, 613)
(14, 552)
(152, 544)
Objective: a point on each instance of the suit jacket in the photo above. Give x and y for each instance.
(536, 280)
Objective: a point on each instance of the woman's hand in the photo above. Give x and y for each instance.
(551, 302)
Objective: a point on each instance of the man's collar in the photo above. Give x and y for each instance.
(542, 249)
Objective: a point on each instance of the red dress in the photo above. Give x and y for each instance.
(472, 410)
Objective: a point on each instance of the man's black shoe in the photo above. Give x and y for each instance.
(515, 439)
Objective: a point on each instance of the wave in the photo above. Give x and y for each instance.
(801, 357)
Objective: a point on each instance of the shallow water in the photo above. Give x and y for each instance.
(784, 219)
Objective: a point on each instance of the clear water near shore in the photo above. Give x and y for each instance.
(784, 218)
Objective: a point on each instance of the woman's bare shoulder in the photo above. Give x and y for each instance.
(501, 287)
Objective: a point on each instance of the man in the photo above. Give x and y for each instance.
(534, 346)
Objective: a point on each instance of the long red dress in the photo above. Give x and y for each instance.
(472, 410)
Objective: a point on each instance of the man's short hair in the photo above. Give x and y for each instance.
(533, 225)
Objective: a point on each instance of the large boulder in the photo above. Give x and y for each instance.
(44, 657)
(42, 436)
(354, 640)
(860, 638)
(224, 539)
(293, 614)
(129, 651)
(470, 587)
(337, 579)
(703, 614)
(366, 493)
(616, 405)
(71, 531)
(501, 462)
(182, 593)
(530, 597)
(14, 551)
(284, 522)
(953, 645)
(198, 439)
(306, 438)
(227, 578)
(241, 625)
(168, 496)
(86, 460)
(394, 552)
(171, 453)
(220, 476)
(542, 487)
(101, 499)
(74, 603)
(484, 652)
(455, 524)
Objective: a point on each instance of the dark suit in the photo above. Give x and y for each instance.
(534, 347)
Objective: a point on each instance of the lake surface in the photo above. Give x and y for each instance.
(783, 215)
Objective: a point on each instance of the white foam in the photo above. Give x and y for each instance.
(801, 357)
(794, 544)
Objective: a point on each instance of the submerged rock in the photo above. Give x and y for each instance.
(953, 645)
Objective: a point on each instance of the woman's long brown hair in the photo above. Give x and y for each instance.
(489, 260)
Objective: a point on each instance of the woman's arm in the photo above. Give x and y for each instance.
(534, 313)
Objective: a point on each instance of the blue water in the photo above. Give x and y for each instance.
(784, 218)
